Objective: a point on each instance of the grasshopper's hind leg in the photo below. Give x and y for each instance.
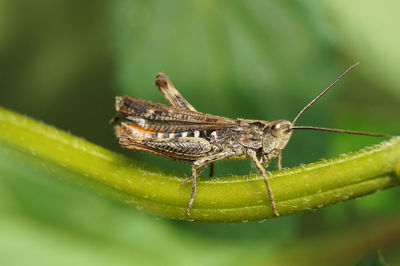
(195, 174)
(171, 94)
(198, 167)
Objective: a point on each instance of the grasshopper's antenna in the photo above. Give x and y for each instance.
(324, 91)
(333, 129)
(341, 131)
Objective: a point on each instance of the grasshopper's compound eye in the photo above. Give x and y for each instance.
(275, 129)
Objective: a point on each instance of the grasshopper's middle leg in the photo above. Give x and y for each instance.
(211, 169)
(279, 163)
(252, 154)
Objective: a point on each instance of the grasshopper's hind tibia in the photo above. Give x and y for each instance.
(197, 168)
(252, 154)
(171, 94)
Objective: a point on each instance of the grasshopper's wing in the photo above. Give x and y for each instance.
(162, 118)
(166, 130)
(171, 94)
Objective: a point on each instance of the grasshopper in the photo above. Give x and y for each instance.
(181, 132)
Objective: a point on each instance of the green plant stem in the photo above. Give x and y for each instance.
(223, 199)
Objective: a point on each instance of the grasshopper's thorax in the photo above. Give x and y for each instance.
(276, 136)
(264, 136)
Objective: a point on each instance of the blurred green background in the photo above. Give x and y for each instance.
(63, 62)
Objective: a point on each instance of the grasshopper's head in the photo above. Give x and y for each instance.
(276, 135)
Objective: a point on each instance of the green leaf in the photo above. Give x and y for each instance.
(224, 199)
